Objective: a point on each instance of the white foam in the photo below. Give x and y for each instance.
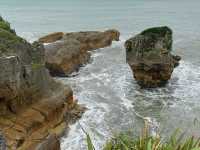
(113, 88)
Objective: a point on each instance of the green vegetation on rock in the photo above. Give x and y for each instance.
(155, 33)
(8, 40)
(7, 36)
(37, 66)
(6, 25)
(126, 141)
(157, 30)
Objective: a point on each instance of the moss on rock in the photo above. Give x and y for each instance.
(157, 30)
(37, 66)
(155, 33)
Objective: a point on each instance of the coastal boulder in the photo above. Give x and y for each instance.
(33, 105)
(66, 55)
(150, 58)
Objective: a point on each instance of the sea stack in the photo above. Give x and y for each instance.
(33, 106)
(150, 58)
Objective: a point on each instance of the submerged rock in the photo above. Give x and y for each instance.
(66, 55)
(32, 104)
(149, 56)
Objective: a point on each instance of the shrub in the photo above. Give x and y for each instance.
(5, 25)
(125, 141)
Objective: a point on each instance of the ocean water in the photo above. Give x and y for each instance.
(106, 85)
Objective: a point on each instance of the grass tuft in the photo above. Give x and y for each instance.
(125, 141)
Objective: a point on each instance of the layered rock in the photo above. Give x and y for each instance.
(94, 39)
(32, 104)
(66, 55)
(149, 56)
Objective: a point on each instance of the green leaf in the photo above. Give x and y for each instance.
(89, 143)
(149, 145)
(195, 149)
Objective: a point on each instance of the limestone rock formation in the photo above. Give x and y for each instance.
(65, 56)
(149, 56)
(69, 53)
(94, 39)
(32, 104)
(51, 37)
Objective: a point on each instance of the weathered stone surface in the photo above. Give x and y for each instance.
(149, 56)
(94, 39)
(51, 37)
(32, 128)
(23, 74)
(66, 55)
(32, 104)
(51, 143)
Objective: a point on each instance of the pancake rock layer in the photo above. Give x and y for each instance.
(33, 106)
(149, 56)
(67, 54)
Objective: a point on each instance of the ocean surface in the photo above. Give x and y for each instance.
(106, 85)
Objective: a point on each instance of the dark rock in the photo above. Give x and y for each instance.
(176, 60)
(149, 56)
(2, 142)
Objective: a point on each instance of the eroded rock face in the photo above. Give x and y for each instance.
(149, 56)
(69, 53)
(65, 56)
(23, 74)
(32, 104)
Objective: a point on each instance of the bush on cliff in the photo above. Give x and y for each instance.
(6, 25)
(8, 38)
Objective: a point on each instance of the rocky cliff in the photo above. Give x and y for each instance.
(150, 58)
(65, 53)
(32, 104)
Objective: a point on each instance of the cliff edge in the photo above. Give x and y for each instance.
(33, 106)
